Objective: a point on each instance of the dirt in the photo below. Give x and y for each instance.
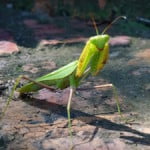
(39, 121)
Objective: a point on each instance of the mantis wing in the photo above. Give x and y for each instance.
(52, 78)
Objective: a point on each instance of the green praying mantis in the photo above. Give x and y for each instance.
(92, 59)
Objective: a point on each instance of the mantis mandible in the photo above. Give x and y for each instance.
(92, 59)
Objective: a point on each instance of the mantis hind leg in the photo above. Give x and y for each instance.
(117, 100)
(115, 93)
(10, 96)
(68, 111)
(15, 87)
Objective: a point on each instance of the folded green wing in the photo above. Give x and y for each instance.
(51, 78)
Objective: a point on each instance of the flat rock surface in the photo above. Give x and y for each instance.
(7, 44)
(7, 47)
(120, 41)
(114, 41)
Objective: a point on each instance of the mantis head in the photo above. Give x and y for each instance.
(99, 41)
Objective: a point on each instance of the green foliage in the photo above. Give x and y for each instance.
(84, 9)
(22, 4)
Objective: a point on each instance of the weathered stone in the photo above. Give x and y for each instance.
(79, 144)
(24, 130)
(30, 68)
(57, 98)
(50, 42)
(120, 41)
(42, 31)
(66, 41)
(48, 65)
(147, 87)
(114, 41)
(144, 54)
(141, 71)
(7, 47)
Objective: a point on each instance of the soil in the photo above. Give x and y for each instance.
(39, 121)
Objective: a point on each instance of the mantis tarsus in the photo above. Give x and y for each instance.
(92, 59)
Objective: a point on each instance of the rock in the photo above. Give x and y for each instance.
(50, 42)
(7, 47)
(114, 54)
(120, 41)
(147, 87)
(66, 41)
(24, 130)
(144, 54)
(48, 65)
(30, 68)
(57, 98)
(115, 41)
(42, 31)
(79, 144)
(140, 71)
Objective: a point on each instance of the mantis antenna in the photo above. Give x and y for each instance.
(95, 26)
(124, 17)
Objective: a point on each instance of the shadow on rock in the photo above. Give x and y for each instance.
(139, 138)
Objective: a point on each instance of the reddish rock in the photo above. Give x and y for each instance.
(41, 31)
(30, 68)
(57, 98)
(48, 65)
(7, 47)
(94, 144)
(70, 40)
(120, 41)
(115, 41)
(144, 54)
(50, 42)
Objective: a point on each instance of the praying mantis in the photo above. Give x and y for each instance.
(92, 59)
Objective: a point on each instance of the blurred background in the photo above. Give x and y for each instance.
(101, 9)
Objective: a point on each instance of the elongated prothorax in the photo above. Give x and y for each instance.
(93, 54)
